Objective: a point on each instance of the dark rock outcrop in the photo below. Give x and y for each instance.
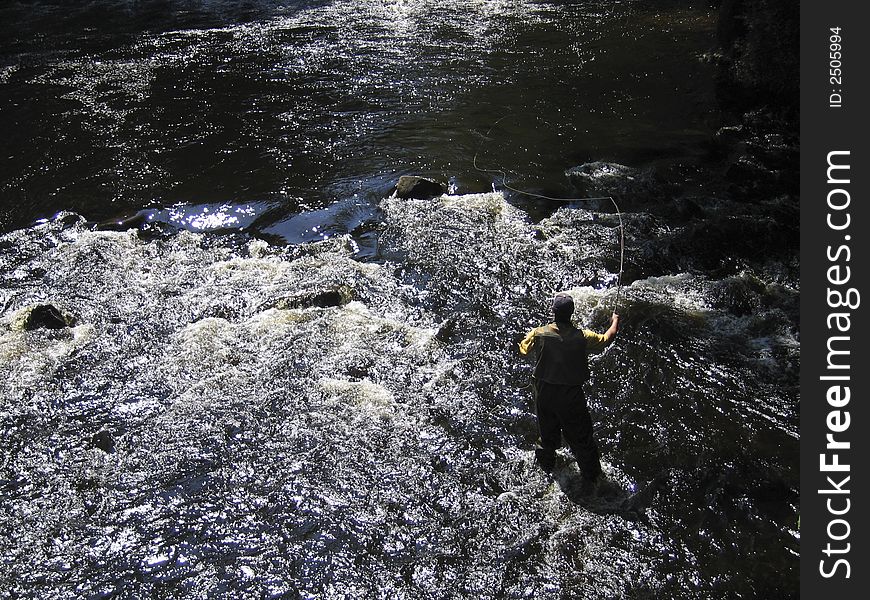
(411, 186)
(44, 316)
(337, 296)
(446, 330)
(104, 441)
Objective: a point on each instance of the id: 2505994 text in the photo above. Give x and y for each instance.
(835, 68)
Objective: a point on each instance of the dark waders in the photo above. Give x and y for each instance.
(562, 411)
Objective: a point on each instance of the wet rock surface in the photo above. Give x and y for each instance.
(42, 316)
(411, 186)
(104, 441)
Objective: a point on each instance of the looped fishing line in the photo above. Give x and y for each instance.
(543, 197)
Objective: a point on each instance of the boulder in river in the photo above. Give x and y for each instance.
(42, 316)
(104, 441)
(337, 296)
(411, 186)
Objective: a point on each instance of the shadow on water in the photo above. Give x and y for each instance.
(608, 495)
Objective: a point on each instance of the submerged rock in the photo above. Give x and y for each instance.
(446, 330)
(688, 209)
(421, 188)
(603, 173)
(42, 316)
(738, 295)
(613, 179)
(136, 221)
(338, 296)
(104, 441)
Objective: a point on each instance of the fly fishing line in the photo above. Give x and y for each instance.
(544, 197)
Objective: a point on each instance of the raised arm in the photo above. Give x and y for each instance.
(596, 342)
(611, 331)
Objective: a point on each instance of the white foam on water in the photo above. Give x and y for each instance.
(364, 394)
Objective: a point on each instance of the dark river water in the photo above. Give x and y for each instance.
(278, 381)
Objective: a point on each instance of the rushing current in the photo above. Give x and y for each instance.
(274, 379)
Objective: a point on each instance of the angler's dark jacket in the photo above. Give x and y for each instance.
(561, 350)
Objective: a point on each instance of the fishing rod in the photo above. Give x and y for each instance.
(544, 197)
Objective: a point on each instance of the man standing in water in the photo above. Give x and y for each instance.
(561, 370)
